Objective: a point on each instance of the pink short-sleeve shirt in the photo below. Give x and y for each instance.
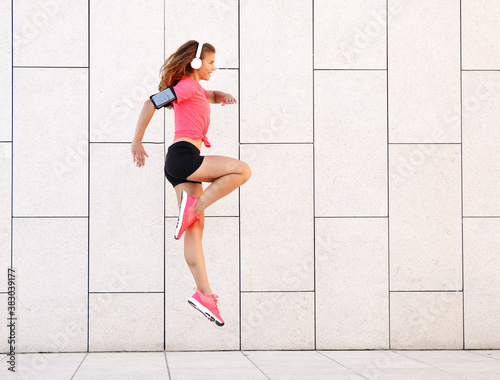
(192, 110)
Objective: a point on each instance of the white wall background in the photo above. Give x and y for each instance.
(371, 221)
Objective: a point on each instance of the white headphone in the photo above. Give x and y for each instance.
(196, 62)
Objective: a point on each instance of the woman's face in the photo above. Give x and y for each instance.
(207, 67)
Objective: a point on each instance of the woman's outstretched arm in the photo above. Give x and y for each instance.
(221, 97)
(138, 152)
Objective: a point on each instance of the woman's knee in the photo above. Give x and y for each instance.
(246, 172)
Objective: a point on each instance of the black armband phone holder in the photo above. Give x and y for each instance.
(164, 98)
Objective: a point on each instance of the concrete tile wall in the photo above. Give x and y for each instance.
(126, 321)
(482, 37)
(5, 153)
(425, 221)
(5, 206)
(481, 282)
(351, 263)
(351, 179)
(5, 328)
(118, 241)
(5, 228)
(277, 320)
(481, 135)
(424, 71)
(371, 220)
(50, 158)
(5, 70)
(277, 232)
(51, 33)
(425, 320)
(350, 34)
(50, 258)
(119, 81)
(276, 73)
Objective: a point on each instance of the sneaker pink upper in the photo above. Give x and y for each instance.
(187, 216)
(210, 302)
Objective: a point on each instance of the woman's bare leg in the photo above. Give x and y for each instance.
(193, 250)
(226, 175)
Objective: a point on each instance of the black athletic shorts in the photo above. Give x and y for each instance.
(182, 160)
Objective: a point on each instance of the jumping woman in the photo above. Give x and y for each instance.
(185, 168)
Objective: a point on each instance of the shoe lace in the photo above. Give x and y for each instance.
(214, 297)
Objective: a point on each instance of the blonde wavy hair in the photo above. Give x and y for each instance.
(178, 65)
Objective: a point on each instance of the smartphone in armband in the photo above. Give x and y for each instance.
(164, 98)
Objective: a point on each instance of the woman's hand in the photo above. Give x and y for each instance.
(228, 99)
(138, 153)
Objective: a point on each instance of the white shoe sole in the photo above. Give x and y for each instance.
(198, 306)
(181, 214)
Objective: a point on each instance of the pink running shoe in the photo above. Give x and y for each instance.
(207, 305)
(187, 216)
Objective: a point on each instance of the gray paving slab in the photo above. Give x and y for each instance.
(43, 366)
(123, 365)
(273, 365)
(299, 365)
